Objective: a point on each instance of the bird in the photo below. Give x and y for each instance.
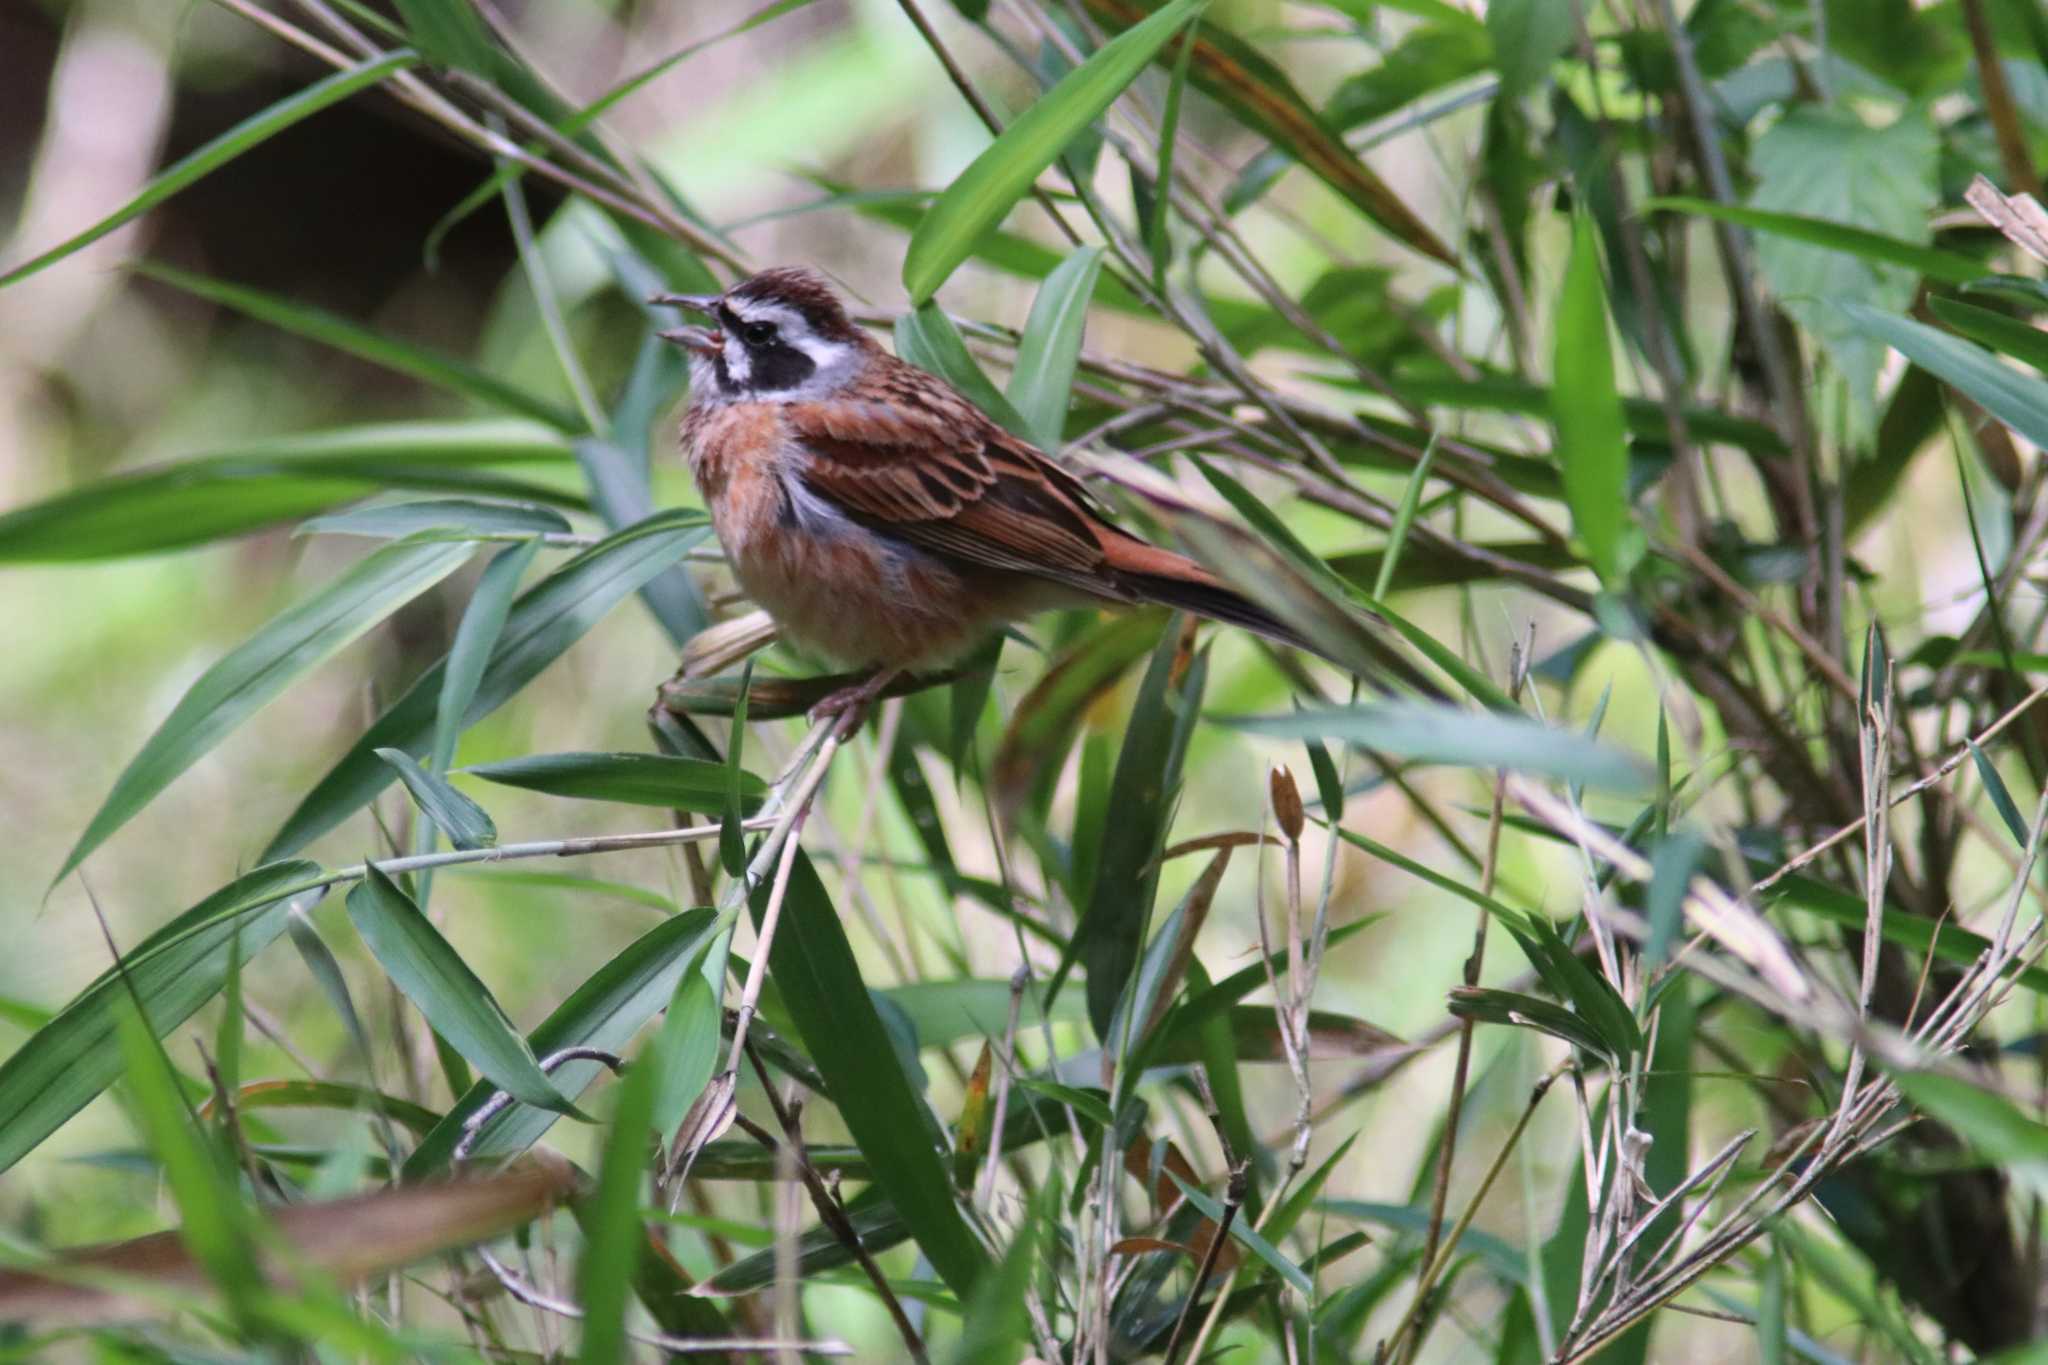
(881, 518)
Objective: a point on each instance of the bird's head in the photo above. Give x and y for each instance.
(777, 336)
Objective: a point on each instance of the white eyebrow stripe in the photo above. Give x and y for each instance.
(749, 310)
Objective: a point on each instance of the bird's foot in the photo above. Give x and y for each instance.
(848, 707)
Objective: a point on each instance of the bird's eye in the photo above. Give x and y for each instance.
(757, 333)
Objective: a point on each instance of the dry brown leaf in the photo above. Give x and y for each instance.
(346, 1239)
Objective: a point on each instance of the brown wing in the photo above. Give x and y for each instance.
(915, 458)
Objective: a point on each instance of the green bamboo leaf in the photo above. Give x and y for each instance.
(2020, 401)
(175, 970)
(1158, 245)
(1949, 267)
(1447, 734)
(199, 500)
(1645, 418)
(431, 974)
(603, 1013)
(1672, 866)
(1503, 1259)
(996, 1326)
(1092, 1105)
(1034, 747)
(1592, 438)
(466, 824)
(732, 840)
(2001, 799)
(454, 518)
(1050, 348)
(544, 622)
(211, 1218)
(690, 1045)
(476, 635)
(613, 1234)
(2007, 335)
(256, 671)
(813, 966)
(1258, 92)
(1404, 517)
(1004, 172)
(1528, 36)
(927, 339)
(945, 1012)
(1303, 1197)
(450, 33)
(690, 784)
(621, 495)
(315, 324)
(1110, 935)
(257, 128)
(1993, 1125)
(1518, 1010)
(335, 1095)
(1241, 1228)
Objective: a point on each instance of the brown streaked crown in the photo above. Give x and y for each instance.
(805, 290)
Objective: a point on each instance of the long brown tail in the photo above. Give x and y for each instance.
(1160, 576)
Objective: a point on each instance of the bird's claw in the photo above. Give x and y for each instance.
(848, 706)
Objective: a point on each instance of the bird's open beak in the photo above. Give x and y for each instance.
(702, 340)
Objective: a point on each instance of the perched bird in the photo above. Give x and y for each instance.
(875, 513)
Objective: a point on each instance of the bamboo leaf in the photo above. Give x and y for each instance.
(927, 339)
(983, 193)
(464, 822)
(1242, 1230)
(1110, 935)
(1051, 346)
(174, 971)
(543, 623)
(1447, 734)
(315, 324)
(256, 671)
(690, 784)
(2020, 401)
(603, 1013)
(1592, 438)
(450, 517)
(1236, 75)
(212, 1222)
(2007, 335)
(429, 972)
(1994, 1126)
(813, 966)
(476, 635)
(1949, 267)
(613, 1234)
(195, 501)
(257, 128)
